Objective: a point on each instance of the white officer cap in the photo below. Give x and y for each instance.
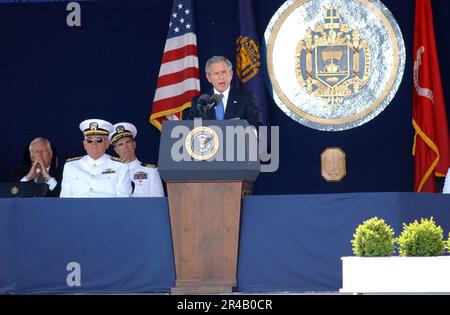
(121, 130)
(95, 126)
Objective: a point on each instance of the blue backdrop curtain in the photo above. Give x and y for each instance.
(54, 76)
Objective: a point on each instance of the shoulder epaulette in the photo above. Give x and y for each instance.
(74, 159)
(148, 165)
(117, 159)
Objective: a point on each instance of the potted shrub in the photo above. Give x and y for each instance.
(373, 238)
(447, 244)
(419, 268)
(421, 239)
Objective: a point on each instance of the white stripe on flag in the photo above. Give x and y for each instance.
(180, 41)
(176, 89)
(178, 65)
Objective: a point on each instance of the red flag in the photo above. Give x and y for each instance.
(178, 80)
(431, 144)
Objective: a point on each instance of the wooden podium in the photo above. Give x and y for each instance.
(205, 201)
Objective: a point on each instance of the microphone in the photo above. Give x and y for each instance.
(202, 100)
(214, 100)
(202, 103)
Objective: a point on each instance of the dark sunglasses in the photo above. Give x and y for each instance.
(97, 139)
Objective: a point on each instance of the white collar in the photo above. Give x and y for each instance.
(224, 93)
(134, 163)
(98, 161)
(39, 170)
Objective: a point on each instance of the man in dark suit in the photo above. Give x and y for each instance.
(41, 170)
(236, 103)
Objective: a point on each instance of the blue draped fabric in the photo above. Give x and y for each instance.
(122, 245)
(295, 242)
(287, 243)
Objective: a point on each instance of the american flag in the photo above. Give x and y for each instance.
(178, 80)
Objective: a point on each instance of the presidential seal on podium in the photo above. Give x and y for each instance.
(334, 64)
(202, 143)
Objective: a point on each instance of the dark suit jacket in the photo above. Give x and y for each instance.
(18, 173)
(241, 104)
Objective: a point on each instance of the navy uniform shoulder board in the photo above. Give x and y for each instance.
(148, 165)
(74, 159)
(117, 159)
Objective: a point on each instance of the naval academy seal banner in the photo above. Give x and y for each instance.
(334, 64)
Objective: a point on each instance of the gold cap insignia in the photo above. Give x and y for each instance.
(93, 126)
(120, 129)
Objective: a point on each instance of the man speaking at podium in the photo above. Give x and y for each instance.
(223, 102)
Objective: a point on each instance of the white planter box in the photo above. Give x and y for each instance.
(395, 274)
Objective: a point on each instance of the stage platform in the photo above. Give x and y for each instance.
(289, 244)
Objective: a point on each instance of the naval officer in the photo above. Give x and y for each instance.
(146, 179)
(96, 174)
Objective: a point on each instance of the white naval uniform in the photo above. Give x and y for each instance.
(146, 180)
(104, 177)
(446, 189)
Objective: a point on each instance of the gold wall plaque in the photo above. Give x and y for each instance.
(332, 164)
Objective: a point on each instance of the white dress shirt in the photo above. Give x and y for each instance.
(224, 98)
(104, 177)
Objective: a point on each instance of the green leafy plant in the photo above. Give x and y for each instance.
(421, 239)
(373, 238)
(448, 243)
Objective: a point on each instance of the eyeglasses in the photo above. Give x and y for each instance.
(97, 139)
